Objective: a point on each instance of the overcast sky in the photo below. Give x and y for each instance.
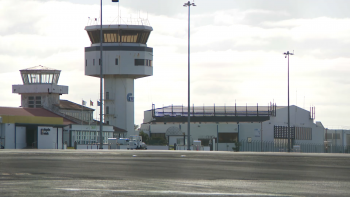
(236, 51)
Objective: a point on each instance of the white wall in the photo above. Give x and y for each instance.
(147, 116)
(48, 141)
(8, 132)
(9, 135)
(2, 134)
(250, 130)
(60, 143)
(21, 141)
(298, 118)
(120, 109)
(343, 136)
(126, 63)
(197, 130)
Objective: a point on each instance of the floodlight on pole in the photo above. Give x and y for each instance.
(188, 4)
(289, 134)
(101, 80)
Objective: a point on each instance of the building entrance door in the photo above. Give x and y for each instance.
(32, 136)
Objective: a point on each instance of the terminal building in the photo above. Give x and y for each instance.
(44, 121)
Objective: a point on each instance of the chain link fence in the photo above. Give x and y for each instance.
(271, 146)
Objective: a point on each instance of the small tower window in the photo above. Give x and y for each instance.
(99, 61)
(116, 61)
(107, 95)
(86, 62)
(107, 110)
(34, 102)
(139, 62)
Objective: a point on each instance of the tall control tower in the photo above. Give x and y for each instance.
(126, 57)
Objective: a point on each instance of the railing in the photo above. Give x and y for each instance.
(174, 111)
(119, 21)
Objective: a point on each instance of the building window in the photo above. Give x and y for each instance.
(34, 101)
(139, 62)
(204, 142)
(116, 61)
(281, 132)
(107, 95)
(99, 61)
(303, 133)
(86, 62)
(107, 110)
(93, 62)
(143, 62)
(107, 122)
(227, 137)
(332, 136)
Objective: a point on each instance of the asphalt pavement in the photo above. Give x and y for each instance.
(171, 173)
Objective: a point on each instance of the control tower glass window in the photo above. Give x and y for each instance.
(33, 78)
(55, 78)
(117, 36)
(46, 78)
(25, 78)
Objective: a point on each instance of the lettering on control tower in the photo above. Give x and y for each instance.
(129, 97)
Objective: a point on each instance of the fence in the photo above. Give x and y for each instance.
(270, 146)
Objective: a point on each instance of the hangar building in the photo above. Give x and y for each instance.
(229, 124)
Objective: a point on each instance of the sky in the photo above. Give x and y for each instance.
(237, 51)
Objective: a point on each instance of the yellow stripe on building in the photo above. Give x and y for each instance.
(32, 120)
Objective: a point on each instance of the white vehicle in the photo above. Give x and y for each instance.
(136, 143)
(123, 141)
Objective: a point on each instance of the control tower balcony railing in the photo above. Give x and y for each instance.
(119, 21)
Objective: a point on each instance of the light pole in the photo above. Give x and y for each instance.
(101, 80)
(188, 4)
(285, 55)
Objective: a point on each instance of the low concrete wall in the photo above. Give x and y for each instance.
(154, 147)
(151, 147)
(90, 146)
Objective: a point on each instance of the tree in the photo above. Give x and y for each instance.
(237, 145)
(144, 136)
(136, 126)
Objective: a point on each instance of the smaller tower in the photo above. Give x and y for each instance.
(40, 87)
